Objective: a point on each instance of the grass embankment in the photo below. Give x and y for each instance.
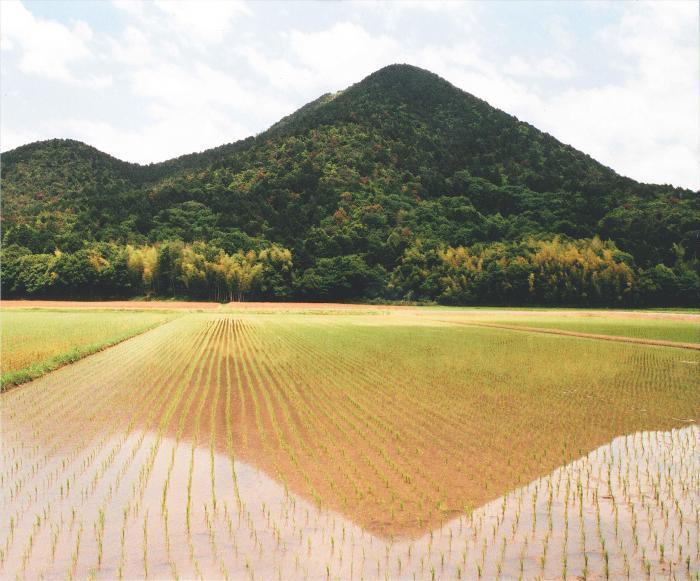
(640, 326)
(662, 330)
(35, 342)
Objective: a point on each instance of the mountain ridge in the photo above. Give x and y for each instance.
(404, 71)
(400, 159)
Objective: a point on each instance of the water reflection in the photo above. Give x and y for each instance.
(216, 448)
(145, 506)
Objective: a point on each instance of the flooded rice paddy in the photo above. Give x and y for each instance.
(221, 446)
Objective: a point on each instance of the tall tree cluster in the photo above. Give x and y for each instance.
(556, 271)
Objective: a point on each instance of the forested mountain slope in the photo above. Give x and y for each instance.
(401, 186)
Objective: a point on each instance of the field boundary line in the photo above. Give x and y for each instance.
(579, 334)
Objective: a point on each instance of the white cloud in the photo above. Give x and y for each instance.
(552, 67)
(462, 15)
(201, 86)
(559, 30)
(203, 22)
(280, 73)
(342, 54)
(645, 125)
(134, 48)
(11, 138)
(322, 61)
(47, 48)
(130, 7)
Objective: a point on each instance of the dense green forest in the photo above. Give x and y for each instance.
(401, 187)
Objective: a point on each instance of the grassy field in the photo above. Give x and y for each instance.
(256, 442)
(37, 341)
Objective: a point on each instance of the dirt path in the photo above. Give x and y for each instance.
(564, 313)
(475, 312)
(141, 305)
(621, 339)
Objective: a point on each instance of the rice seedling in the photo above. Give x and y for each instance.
(276, 446)
(36, 342)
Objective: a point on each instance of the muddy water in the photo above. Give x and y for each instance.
(161, 509)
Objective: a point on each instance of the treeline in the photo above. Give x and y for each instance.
(106, 270)
(587, 272)
(555, 271)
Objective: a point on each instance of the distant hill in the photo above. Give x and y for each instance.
(400, 159)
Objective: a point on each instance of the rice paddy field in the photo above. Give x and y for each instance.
(34, 342)
(351, 442)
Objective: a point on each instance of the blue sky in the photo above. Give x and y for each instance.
(149, 81)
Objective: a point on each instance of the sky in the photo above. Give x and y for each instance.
(147, 81)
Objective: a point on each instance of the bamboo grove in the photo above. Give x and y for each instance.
(557, 271)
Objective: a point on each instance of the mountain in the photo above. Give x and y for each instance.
(400, 160)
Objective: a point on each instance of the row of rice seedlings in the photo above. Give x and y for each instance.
(276, 395)
(414, 412)
(308, 415)
(222, 366)
(394, 430)
(160, 394)
(187, 385)
(214, 376)
(260, 396)
(360, 419)
(36, 404)
(169, 397)
(86, 464)
(434, 553)
(64, 414)
(246, 369)
(467, 423)
(145, 415)
(332, 543)
(494, 541)
(84, 492)
(348, 415)
(283, 446)
(68, 375)
(230, 449)
(307, 406)
(456, 431)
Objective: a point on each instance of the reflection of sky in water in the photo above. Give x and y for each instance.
(604, 502)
